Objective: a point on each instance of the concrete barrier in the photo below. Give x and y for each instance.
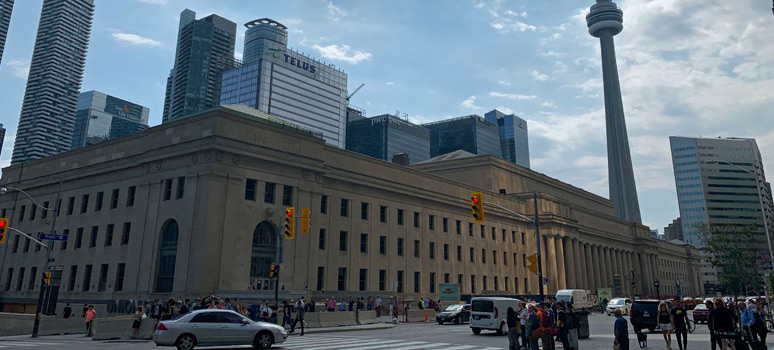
(113, 327)
(419, 315)
(337, 318)
(16, 324)
(54, 326)
(367, 317)
(312, 319)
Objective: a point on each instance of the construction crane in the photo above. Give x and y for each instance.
(356, 90)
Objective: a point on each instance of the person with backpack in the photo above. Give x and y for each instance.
(547, 325)
(760, 316)
(561, 324)
(572, 326)
(532, 327)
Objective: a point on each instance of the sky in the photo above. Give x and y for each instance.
(687, 67)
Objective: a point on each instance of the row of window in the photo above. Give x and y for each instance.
(268, 192)
(86, 281)
(93, 238)
(84, 205)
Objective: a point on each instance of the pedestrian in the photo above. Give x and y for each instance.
(680, 321)
(760, 324)
(228, 305)
(265, 312)
(724, 321)
(714, 341)
(156, 313)
(85, 308)
(139, 315)
(621, 331)
(533, 327)
(561, 323)
(90, 314)
(513, 329)
(332, 305)
(748, 322)
(351, 304)
(299, 317)
(378, 306)
(427, 303)
(186, 307)
(168, 310)
(572, 326)
(286, 314)
(343, 306)
(523, 316)
(665, 322)
(547, 324)
(67, 311)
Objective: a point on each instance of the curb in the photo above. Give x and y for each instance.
(344, 329)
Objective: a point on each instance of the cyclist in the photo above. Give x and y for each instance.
(680, 320)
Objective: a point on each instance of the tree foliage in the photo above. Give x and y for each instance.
(733, 252)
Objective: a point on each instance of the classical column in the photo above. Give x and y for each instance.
(629, 268)
(597, 266)
(561, 263)
(552, 262)
(620, 268)
(579, 260)
(605, 266)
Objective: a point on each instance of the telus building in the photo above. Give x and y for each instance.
(286, 84)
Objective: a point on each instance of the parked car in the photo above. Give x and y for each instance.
(213, 327)
(700, 313)
(490, 313)
(644, 314)
(625, 304)
(457, 313)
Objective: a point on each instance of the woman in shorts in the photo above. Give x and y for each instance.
(138, 316)
(665, 322)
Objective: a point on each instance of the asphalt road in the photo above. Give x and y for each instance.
(414, 336)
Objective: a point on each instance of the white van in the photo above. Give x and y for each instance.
(491, 313)
(578, 297)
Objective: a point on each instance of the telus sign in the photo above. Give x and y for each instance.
(293, 61)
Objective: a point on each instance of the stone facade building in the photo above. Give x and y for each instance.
(195, 206)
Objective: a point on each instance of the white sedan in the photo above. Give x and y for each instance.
(624, 304)
(213, 327)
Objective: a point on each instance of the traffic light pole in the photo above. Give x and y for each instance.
(43, 285)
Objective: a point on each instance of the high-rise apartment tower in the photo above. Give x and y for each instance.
(6, 7)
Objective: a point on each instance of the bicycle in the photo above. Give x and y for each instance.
(691, 326)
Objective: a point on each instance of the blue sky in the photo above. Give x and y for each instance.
(687, 67)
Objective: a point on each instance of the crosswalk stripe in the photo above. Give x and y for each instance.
(315, 341)
(461, 347)
(338, 346)
(423, 346)
(385, 344)
(7, 344)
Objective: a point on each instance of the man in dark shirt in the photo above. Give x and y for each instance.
(621, 331)
(680, 317)
(67, 311)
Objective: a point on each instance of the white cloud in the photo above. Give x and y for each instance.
(134, 39)
(505, 110)
(155, 2)
(342, 53)
(510, 25)
(504, 83)
(470, 104)
(512, 96)
(335, 13)
(516, 14)
(238, 55)
(478, 4)
(548, 104)
(552, 53)
(390, 83)
(19, 68)
(538, 77)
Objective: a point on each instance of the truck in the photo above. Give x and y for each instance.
(578, 297)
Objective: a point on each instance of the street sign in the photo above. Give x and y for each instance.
(546, 281)
(51, 237)
(449, 292)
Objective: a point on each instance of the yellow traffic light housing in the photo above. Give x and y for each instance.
(306, 220)
(3, 229)
(273, 270)
(533, 267)
(477, 205)
(290, 223)
(47, 278)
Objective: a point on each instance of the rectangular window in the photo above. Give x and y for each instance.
(27, 244)
(109, 235)
(470, 229)
(483, 256)
(431, 222)
(342, 278)
(125, 235)
(494, 238)
(472, 255)
(344, 207)
(400, 217)
(382, 213)
(496, 284)
(9, 279)
(16, 243)
(364, 243)
(523, 238)
(93, 239)
(65, 232)
(167, 189)
(70, 205)
(400, 246)
(320, 277)
(102, 283)
(473, 284)
(71, 280)
(445, 251)
(84, 203)
(459, 253)
(33, 276)
(503, 235)
(459, 280)
(513, 236)
(432, 282)
(483, 284)
(432, 250)
(416, 219)
(523, 259)
(516, 284)
(180, 187)
(416, 248)
(20, 279)
(505, 258)
(506, 284)
(364, 211)
(416, 282)
(100, 198)
(114, 199)
(86, 279)
(78, 237)
(382, 244)
(287, 195)
(250, 187)
(324, 205)
(268, 193)
(382, 279)
(446, 278)
(129, 196)
(459, 227)
(37, 247)
(494, 257)
(343, 241)
(445, 225)
(321, 242)
(119, 286)
(33, 212)
(400, 281)
(363, 275)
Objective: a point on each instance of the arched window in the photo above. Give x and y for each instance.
(165, 268)
(264, 250)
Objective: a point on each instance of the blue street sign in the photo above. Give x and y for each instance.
(50, 237)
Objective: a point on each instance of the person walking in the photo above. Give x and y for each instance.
(714, 341)
(760, 323)
(546, 324)
(332, 305)
(680, 321)
(665, 322)
(561, 323)
(532, 327)
(513, 329)
(724, 321)
(286, 313)
(523, 316)
(378, 305)
(748, 322)
(299, 317)
(139, 315)
(621, 331)
(572, 326)
(67, 311)
(90, 314)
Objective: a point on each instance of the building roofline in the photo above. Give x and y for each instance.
(265, 21)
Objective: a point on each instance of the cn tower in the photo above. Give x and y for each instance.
(605, 20)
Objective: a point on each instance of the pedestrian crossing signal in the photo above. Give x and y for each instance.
(290, 223)
(477, 205)
(46, 278)
(3, 229)
(306, 217)
(533, 267)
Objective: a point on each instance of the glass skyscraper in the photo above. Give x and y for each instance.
(101, 117)
(287, 84)
(205, 48)
(6, 7)
(385, 135)
(514, 136)
(469, 133)
(56, 71)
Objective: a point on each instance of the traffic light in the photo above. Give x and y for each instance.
(533, 263)
(47, 278)
(290, 223)
(306, 217)
(478, 207)
(274, 270)
(3, 229)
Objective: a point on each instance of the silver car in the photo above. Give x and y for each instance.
(213, 327)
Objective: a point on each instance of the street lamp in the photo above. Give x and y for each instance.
(763, 213)
(657, 284)
(3, 190)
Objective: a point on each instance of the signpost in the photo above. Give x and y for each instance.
(52, 237)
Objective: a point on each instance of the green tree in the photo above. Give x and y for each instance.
(733, 252)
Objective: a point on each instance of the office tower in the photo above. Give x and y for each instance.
(56, 72)
(469, 133)
(6, 7)
(385, 135)
(205, 49)
(2, 137)
(604, 21)
(514, 136)
(287, 84)
(674, 230)
(101, 117)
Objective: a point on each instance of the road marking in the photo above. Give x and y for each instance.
(402, 343)
(338, 346)
(4, 344)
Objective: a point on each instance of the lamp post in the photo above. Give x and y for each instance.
(763, 213)
(657, 284)
(3, 190)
